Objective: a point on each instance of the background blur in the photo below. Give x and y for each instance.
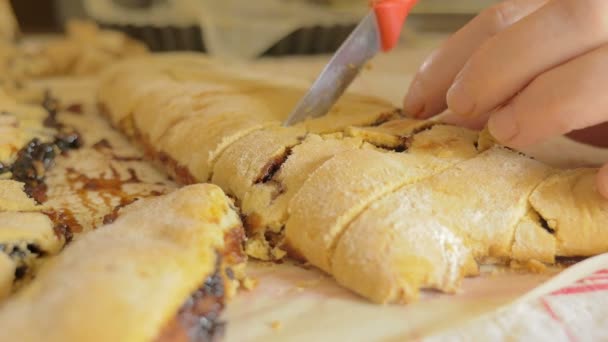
(237, 28)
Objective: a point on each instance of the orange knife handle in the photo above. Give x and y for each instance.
(391, 15)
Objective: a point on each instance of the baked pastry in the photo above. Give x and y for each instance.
(573, 211)
(350, 182)
(264, 206)
(25, 238)
(161, 271)
(386, 205)
(200, 104)
(63, 172)
(431, 234)
(88, 211)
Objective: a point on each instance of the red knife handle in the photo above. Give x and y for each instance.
(391, 15)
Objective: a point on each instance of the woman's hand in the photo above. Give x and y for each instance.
(532, 69)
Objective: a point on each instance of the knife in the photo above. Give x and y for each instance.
(378, 31)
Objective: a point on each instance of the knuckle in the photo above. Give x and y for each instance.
(589, 16)
(496, 18)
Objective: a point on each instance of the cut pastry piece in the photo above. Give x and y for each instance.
(168, 105)
(191, 147)
(446, 142)
(427, 232)
(422, 137)
(160, 271)
(357, 180)
(25, 238)
(19, 124)
(485, 213)
(255, 158)
(574, 211)
(532, 241)
(264, 206)
(392, 250)
(120, 91)
(339, 190)
(14, 198)
(393, 135)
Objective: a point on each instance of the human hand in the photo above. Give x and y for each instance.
(532, 69)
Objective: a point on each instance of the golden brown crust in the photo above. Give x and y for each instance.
(265, 205)
(464, 207)
(575, 212)
(143, 260)
(431, 230)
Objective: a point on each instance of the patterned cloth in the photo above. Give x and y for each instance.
(571, 307)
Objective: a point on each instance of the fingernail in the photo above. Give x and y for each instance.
(502, 125)
(459, 100)
(414, 102)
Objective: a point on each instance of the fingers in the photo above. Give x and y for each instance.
(427, 93)
(566, 98)
(602, 181)
(507, 62)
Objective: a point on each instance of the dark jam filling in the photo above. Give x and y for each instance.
(30, 167)
(19, 254)
(65, 224)
(271, 169)
(199, 317)
(388, 116)
(568, 261)
(37, 157)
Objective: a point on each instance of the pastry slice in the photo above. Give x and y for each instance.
(533, 241)
(190, 149)
(162, 271)
(19, 124)
(255, 158)
(165, 106)
(393, 134)
(14, 198)
(391, 251)
(120, 91)
(420, 137)
(25, 237)
(352, 180)
(427, 233)
(339, 190)
(450, 143)
(264, 205)
(574, 212)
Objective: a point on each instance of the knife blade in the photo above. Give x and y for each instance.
(378, 31)
(362, 44)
